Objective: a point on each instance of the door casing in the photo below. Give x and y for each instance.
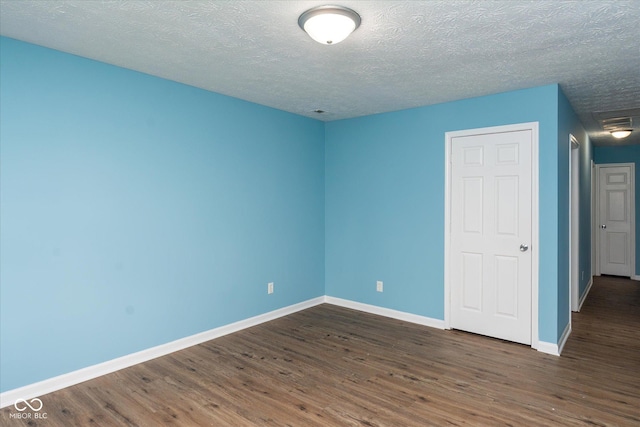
(533, 127)
(574, 224)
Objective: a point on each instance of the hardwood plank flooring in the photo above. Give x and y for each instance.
(330, 366)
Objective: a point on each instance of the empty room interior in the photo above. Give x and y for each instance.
(381, 213)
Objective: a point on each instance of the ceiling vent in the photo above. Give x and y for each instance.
(617, 123)
(620, 119)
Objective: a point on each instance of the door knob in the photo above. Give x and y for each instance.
(523, 247)
(603, 226)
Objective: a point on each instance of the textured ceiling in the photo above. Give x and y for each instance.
(405, 53)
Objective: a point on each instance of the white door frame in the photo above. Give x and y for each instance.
(632, 202)
(533, 127)
(574, 224)
(595, 271)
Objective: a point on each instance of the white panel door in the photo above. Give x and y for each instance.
(615, 220)
(490, 260)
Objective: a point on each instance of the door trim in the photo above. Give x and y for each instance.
(533, 127)
(574, 225)
(632, 203)
(595, 271)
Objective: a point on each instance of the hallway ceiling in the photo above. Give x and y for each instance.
(405, 54)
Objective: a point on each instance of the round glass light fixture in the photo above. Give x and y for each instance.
(329, 24)
(623, 133)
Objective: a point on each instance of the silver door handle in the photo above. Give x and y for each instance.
(523, 247)
(603, 226)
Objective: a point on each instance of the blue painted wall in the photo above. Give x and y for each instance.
(624, 154)
(385, 201)
(136, 211)
(568, 123)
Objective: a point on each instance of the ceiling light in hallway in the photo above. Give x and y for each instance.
(621, 133)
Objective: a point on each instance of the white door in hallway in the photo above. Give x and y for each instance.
(615, 193)
(490, 261)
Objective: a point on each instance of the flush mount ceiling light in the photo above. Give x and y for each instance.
(329, 24)
(623, 133)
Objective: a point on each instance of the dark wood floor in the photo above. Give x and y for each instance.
(332, 366)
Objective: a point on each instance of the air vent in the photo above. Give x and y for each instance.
(620, 119)
(617, 123)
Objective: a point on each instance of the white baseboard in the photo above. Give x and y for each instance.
(387, 312)
(555, 349)
(62, 381)
(635, 277)
(563, 338)
(66, 380)
(583, 298)
(548, 348)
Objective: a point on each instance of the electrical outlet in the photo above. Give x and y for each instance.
(270, 287)
(582, 275)
(379, 286)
